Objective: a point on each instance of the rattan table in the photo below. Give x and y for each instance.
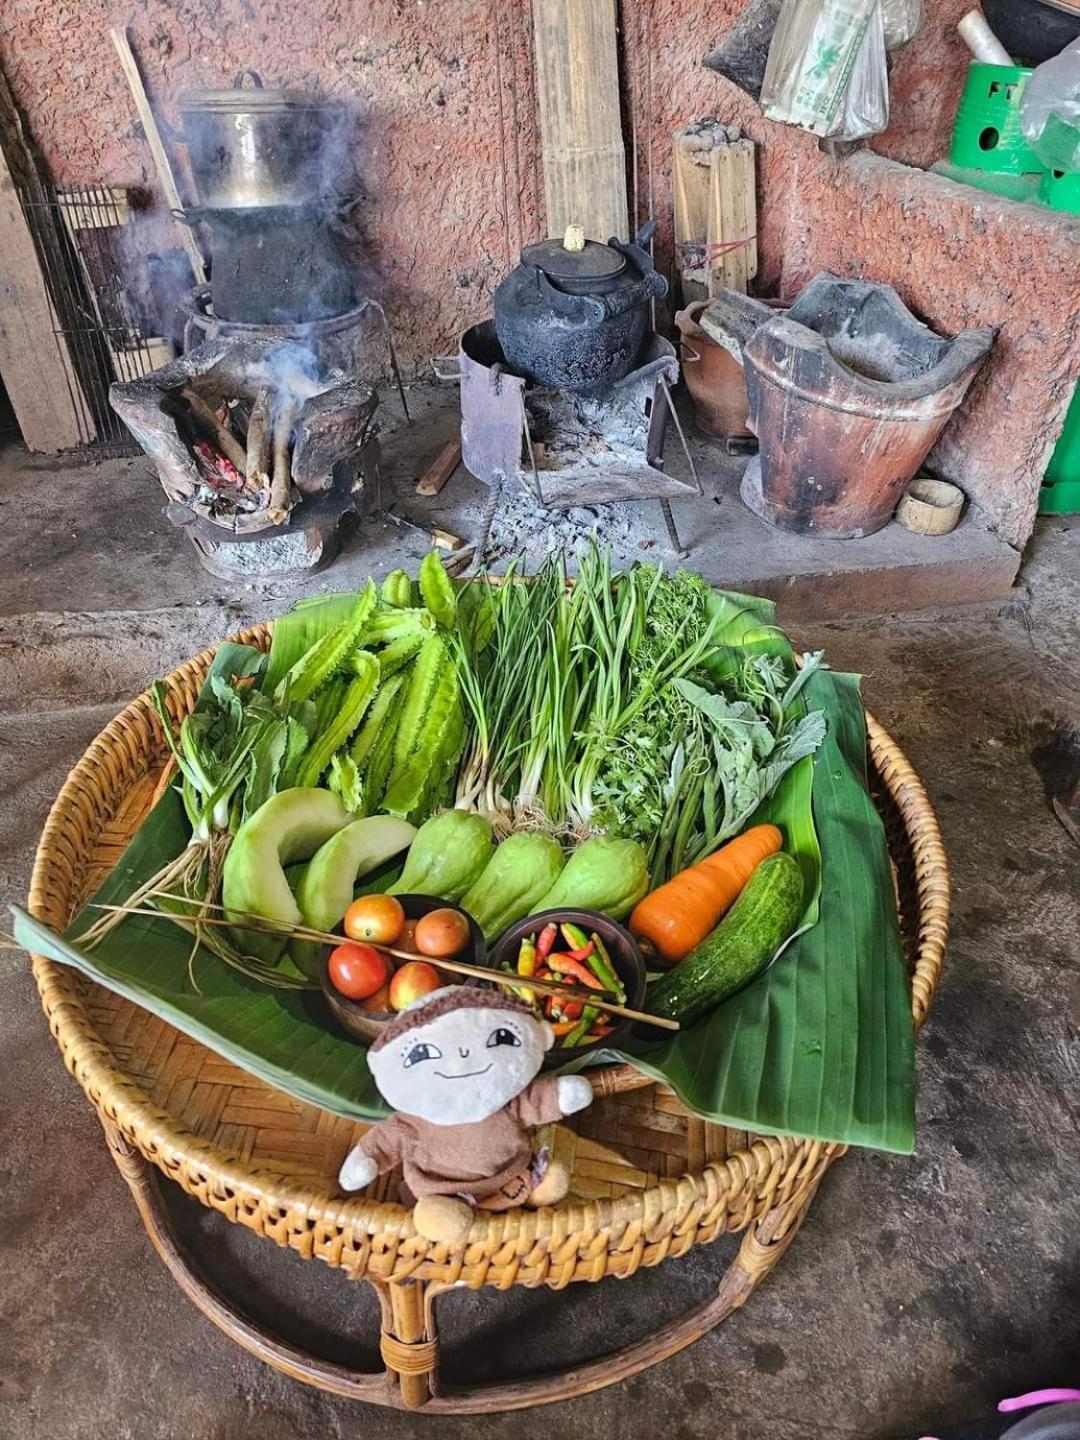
(649, 1180)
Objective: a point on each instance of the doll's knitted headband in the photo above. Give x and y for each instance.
(442, 1002)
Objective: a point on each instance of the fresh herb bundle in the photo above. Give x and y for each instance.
(617, 704)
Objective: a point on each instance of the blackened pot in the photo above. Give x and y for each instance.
(575, 318)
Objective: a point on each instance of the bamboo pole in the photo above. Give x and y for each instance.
(577, 82)
(130, 67)
(258, 442)
(222, 437)
(280, 467)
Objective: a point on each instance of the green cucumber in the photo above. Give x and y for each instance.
(750, 934)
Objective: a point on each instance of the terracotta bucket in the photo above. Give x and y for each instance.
(713, 377)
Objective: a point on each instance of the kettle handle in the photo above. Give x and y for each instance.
(651, 286)
(256, 79)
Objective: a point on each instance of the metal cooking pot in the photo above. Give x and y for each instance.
(574, 316)
(255, 147)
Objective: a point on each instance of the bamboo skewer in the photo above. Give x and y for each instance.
(455, 967)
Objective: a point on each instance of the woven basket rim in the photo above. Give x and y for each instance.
(130, 745)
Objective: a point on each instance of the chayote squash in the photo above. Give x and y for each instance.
(523, 869)
(324, 890)
(605, 874)
(448, 854)
(290, 827)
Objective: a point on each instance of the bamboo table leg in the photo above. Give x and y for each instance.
(409, 1351)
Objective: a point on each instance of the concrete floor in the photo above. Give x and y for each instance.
(920, 1290)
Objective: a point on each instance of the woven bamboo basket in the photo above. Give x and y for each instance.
(650, 1181)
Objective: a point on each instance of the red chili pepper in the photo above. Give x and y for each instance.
(565, 964)
(546, 941)
(572, 1009)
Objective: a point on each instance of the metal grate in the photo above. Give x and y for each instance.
(78, 237)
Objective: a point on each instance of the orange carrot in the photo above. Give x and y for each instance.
(678, 916)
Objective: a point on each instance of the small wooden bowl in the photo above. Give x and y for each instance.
(361, 1024)
(930, 507)
(625, 956)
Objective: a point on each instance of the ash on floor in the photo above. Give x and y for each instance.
(520, 525)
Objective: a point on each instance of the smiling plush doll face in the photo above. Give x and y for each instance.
(459, 1055)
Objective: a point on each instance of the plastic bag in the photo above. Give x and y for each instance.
(903, 21)
(1050, 110)
(826, 70)
(866, 100)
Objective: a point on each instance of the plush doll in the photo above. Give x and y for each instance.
(459, 1067)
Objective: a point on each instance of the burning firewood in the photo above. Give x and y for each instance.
(217, 469)
(219, 433)
(258, 442)
(281, 474)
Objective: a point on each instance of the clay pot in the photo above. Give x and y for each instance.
(713, 377)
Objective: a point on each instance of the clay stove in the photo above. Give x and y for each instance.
(262, 434)
(261, 449)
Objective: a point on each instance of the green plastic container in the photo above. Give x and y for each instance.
(1024, 188)
(986, 133)
(1060, 189)
(1060, 493)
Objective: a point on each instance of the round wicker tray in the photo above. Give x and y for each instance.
(649, 1180)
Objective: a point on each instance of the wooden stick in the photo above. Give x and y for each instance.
(130, 67)
(258, 443)
(455, 967)
(222, 437)
(280, 469)
(440, 469)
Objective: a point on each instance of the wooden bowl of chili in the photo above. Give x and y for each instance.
(562, 960)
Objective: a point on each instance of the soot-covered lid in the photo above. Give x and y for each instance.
(575, 260)
(253, 99)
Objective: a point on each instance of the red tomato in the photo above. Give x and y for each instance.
(407, 939)
(414, 979)
(442, 933)
(377, 918)
(358, 970)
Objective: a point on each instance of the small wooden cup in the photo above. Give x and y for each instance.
(930, 507)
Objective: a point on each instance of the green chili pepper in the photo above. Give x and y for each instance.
(605, 971)
(574, 935)
(582, 1028)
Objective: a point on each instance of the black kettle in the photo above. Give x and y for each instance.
(573, 315)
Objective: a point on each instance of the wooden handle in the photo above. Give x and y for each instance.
(130, 67)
